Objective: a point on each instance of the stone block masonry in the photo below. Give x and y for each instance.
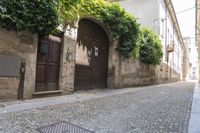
(22, 45)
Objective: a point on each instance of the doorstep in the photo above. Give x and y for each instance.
(47, 92)
(44, 94)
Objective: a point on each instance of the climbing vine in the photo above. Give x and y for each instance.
(44, 16)
(151, 48)
(33, 15)
(122, 25)
(68, 11)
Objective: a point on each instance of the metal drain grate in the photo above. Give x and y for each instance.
(63, 127)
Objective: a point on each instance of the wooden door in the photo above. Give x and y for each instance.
(92, 50)
(48, 63)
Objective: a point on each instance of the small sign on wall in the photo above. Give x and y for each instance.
(96, 51)
(9, 66)
(44, 47)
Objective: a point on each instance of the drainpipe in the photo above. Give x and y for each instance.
(166, 30)
(120, 72)
(22, 78)
(197, 34)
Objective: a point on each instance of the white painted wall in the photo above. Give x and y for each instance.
(152, 13)
(145, 11)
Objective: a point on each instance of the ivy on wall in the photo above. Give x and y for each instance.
(122, 25)
(33, 15)
(43, 17)
(151, 48)
(68, 11)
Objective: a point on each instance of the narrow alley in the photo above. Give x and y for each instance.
(160, 108)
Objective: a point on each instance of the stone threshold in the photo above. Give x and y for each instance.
(47, 92)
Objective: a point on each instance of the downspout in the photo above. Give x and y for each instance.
(22, 78)
(120, 72)
(172, 65)
(196, 34)
(166, 29)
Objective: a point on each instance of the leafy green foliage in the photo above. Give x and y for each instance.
(68, 11)
(151, 48)
(122, 25)
(33, 15)
(43, 16)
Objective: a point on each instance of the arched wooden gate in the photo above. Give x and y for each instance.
(92, 50)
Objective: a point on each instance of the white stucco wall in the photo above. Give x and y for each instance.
(168, 36)
(145, 11)
(153, 13)
(176, 57)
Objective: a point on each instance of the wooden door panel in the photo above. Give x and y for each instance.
(40, 74)
(55, 52)
(51, 86)
(83, 77)
(53, 74)
(48, 64)
(94, 43)
(40, 87)
(42, 57)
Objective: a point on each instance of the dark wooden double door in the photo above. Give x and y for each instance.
(92, 50)
(48, 63)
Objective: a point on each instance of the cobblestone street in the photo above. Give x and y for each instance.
(154, 109)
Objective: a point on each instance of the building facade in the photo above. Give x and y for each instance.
(193, 60)
(160, 16)
(197, 33)
(186, 59)
(84, 56)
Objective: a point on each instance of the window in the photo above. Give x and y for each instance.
(162, 28)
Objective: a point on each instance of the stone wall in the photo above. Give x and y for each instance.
(8, 88)
(67, 70)
(114, 66)
(121, 73)
(22, 45)
(135, 73)
(127, 73)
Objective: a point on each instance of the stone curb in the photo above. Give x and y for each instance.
(194, 122)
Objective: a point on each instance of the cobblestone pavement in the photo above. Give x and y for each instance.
(155, 109)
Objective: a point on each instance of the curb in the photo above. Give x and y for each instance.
(194, 122)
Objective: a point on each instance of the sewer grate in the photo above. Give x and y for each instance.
(63, 127)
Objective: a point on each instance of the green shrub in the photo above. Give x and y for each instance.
(151, 48)
(68, 11)
(33, 15)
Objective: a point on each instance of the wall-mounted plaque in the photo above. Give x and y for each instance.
(96, 51)
(9, 66)
(44, 47)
